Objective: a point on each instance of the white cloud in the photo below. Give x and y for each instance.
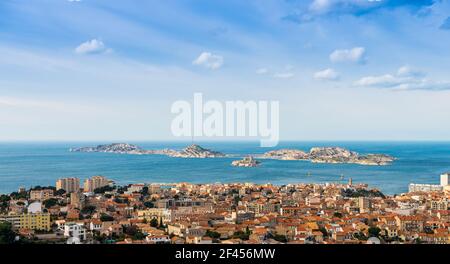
(72, 1)
(24, 103)
(209, 60)
(327, 74)
(262, 71)
(283, 75)
(407, 71)
(356, 54)
(406, 78)
(320, 5)
(91, 46)
(387, 80)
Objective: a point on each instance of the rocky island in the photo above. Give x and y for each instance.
(246, 162)
(286, 154)
(192, 151)
(110, 148)
(195, 151)
(330, 155)
(316, 154)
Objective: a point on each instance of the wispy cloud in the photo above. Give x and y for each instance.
(209, 60)
(327, 75)
(446, 24)
(91, 47)
(27, 103)
(358, 7)
(283, 75)
(320, 8)
(356, 54)
(262, 71)
(405, 78)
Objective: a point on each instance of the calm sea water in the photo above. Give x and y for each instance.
(29, 164)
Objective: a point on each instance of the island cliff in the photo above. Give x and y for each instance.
(315, 155)
(246, 162)
(330, 155)
(192, 151)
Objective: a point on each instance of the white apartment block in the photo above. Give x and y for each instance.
(445, 179)
(76, 230)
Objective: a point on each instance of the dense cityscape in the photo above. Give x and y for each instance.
(100, 212)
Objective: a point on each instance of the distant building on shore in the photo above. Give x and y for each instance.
(445, 179)
(416, 187)
(95, 182)
(445, 183)
(69, 185)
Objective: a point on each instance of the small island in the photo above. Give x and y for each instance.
(315, 155)
(192, 151)
(195, 151)
(246, 162)
(330, 155)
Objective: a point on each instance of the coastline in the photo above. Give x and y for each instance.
(37, 163)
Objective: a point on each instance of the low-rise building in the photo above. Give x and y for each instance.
(41, 195)
(37, 221)
(75, 230)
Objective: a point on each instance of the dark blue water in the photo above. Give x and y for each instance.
(29, 164)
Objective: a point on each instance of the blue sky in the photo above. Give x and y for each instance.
(110, 69)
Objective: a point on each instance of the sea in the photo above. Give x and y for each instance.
(27, 164)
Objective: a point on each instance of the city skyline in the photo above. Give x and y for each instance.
(341, 69)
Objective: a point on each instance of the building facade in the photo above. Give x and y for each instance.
(95, 182)
(40, 195)
(415, 187)
(445, 179)
(39, 221)
(68, 184)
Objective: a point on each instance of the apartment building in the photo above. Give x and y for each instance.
(38, 221)
(161, 214)
(41, 195)
(69, 185)
(95, 182)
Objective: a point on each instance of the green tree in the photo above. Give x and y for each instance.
(324, 231)
(4, 199)
(138, 236)
(7, 236)
(104, 189)
(247, 231)
(50, 202)
(374, 231)
(144, 190)
(106, 218)
(154, 222)
(121, 200)
(337, 214)
(60, 192)
(241, 235)
(131, 230)
(280, 238)
(89, 209)
(212, 234)
(149, 204)
(17, 196)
